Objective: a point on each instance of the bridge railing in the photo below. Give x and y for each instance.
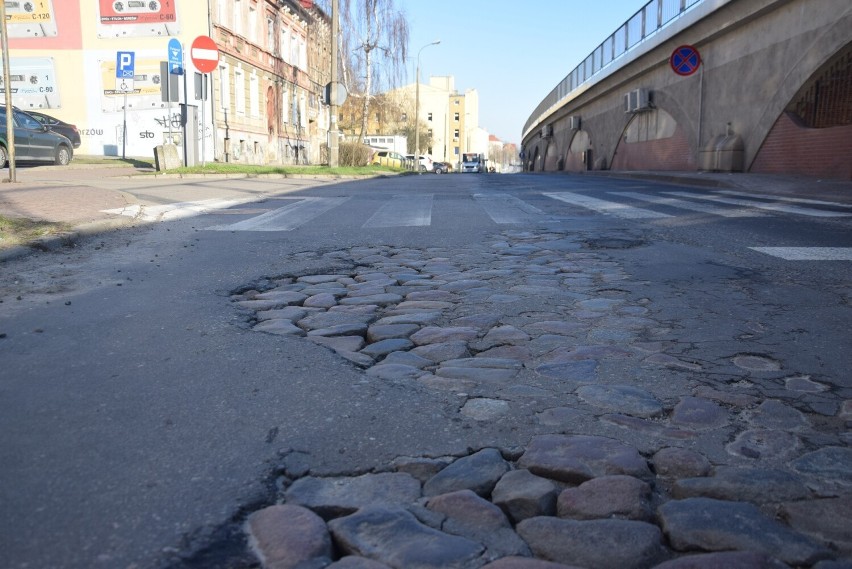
(650, 19)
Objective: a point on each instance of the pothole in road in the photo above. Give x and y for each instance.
(756, 362)
(613, 243)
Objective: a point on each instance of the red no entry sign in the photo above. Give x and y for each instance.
(685, 60)
(204, 54)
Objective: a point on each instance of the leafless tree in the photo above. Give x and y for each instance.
(373, 49)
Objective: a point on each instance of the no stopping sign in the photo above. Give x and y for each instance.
(685, 60)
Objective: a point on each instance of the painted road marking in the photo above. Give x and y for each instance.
(606, 207)
(784, 198)
(692, 206)
(177, 210)
(403, 211)
(808, 253)
(761, 205)
(286, 218)
(506, 209)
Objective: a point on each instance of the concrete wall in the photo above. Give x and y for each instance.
(757, 55)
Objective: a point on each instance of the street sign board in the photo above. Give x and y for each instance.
(204, 54)
(125, 70)
(685, 60)
(175, 57)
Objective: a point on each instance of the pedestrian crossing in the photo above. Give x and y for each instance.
(413, 210)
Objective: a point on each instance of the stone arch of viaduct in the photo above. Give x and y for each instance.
(753, 105)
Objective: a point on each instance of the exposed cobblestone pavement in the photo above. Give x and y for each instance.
(655, 452)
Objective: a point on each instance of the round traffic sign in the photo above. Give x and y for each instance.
(685, 60)
(204, 54)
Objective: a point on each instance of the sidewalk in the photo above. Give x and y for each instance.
(76, 195)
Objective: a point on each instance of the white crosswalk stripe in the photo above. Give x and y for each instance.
(783, 208)
(692, 206)
(287, 218)
(403, 211)
(785, 199)
(506, 209)
(808, 253)
(607, 207)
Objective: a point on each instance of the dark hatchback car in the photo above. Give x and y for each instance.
(33, 141)
(67, 130)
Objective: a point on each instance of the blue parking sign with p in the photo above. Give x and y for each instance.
(124, 64)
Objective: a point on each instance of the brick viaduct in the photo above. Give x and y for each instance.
(772, 94)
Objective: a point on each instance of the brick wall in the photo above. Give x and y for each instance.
(792, 148)
(673, 153)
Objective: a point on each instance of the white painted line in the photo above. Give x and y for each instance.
(762, 205)
(784, 198)
(603, 206)
(286, 218)
(808, 253)
(177, 210)
(691, 206)
(506, 209)
(403, 211)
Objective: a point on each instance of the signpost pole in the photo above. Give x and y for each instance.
(10, 120)
(185, 115)
(124, 128)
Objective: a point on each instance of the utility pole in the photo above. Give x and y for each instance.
(10, 119)
(333, 138)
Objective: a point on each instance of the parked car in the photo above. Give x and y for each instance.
(67, 130)
(440, 167)
(425, 162)
(388, 158)
(33, 141)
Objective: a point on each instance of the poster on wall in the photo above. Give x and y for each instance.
(146, 86)
(137, 18)
(30, 18)
(33, 82)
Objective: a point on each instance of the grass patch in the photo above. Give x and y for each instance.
(16, 231)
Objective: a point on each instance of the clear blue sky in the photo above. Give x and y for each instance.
(513, 53)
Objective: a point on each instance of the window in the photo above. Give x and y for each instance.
(285, 44)
(428, 116)
(303, 111)
(238, 17)
(456, 117)
(221, 13)
(294, 49)
(270, 33)
(404, 117)
(254, 96)
(240, 91)
(252, 23)
(456, 134)
(285, 105)
(456, 102)
(224, 88)
(430, 133)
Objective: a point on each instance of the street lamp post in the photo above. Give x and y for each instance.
(417, 108)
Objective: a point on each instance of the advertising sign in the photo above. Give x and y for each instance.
(137, 18)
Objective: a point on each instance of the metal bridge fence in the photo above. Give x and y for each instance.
(650, 19)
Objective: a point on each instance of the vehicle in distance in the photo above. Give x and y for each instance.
(425, 162)
(473, 162)
(67, 130)
(440, 167)
(33, 141)
(388, 158)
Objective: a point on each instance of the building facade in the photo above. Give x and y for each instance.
(97, 64)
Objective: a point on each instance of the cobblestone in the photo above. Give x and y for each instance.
(711, 458)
